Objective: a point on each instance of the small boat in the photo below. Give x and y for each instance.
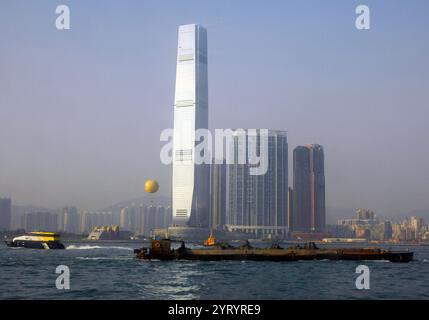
(161, 250)
(211, 240)
(37, 240)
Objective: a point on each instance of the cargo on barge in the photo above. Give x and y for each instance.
(161, 250)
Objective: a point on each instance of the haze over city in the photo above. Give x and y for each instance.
(82, 110)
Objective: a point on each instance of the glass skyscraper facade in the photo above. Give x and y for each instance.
(259, 203)
(217, 195)
(309, 188)
(190, 180)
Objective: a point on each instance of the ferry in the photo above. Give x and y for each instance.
(37, 240)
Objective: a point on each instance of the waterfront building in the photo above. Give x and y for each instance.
(309, 188)
(134, 219)
(70, 220)
(190, 180)
(149, 219)
(124, 219)
(365, 214)
(39, 221)
(258, 203)
(90, 220)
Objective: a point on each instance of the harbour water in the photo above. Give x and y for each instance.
(109, 271)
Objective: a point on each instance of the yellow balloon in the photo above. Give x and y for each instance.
(151, 186)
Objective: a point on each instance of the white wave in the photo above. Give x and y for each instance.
(425, 260)
(103, 258)
(89, 247)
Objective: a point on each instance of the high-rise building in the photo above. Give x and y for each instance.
(416, 225)
(301, 186)
(90, 220)
(160, 217)
(290, 208)
(141, 229)
(387, 230)
(169, 216)
(134, 218)
(365, 214)
(309, 188)
(71, 220)
(217, 195)
(124, 219)
(5, 214)
(190, 180)
(149, 219)
(258, 203)
(154, 217)
(85, 223)
(39, 221)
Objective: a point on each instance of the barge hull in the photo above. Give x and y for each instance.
(393, 257)
(160, 250)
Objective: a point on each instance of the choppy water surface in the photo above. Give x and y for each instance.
(109, 271)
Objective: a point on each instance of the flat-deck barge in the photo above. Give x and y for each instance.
(161, 250)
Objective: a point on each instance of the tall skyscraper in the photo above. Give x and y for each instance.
(5, 214)
(301, 186)
(258, 203)
(309, 188)
(190, 180)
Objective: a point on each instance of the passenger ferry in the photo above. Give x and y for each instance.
(37, 240)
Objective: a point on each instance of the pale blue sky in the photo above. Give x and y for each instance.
(81, 110)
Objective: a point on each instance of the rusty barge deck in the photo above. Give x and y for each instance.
(161, 250)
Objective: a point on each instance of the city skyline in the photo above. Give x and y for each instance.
(58, 152)
(138, 220)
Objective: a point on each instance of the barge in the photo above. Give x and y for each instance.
(162, 250)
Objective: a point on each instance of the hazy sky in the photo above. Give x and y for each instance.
(81, 110)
